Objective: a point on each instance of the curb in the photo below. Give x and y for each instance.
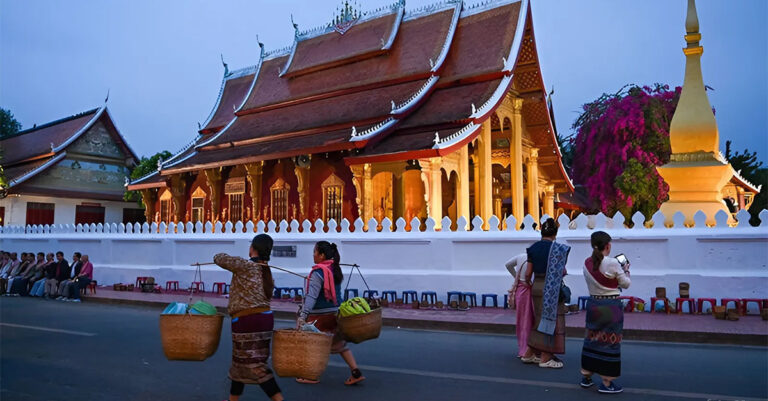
(692, 337)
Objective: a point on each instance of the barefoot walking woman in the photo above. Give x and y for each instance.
(252, 320)
(546, 261)
(605, 315)
(322, 303)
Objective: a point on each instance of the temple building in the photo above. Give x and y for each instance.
(68, 171)
(434, 112)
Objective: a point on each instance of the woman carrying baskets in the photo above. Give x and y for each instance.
(605, 277)
(321, 305)
(252, 320)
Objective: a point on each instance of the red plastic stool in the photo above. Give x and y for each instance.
(218, 287)
(197, 285)
(141, 280)
(653, 304)
(679, 302)
(700, 304)
(745, 301)
(630, 303)
(726, 301)
(171, 285)
(91, 286)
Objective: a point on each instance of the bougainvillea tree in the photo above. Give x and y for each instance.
(620, 139)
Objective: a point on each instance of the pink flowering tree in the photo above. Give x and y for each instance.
(620, 139)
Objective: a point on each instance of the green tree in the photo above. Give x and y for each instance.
(8, 124)
(750, 168)
(146, 165)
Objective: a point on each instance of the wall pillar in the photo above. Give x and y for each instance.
(431, 170)
(516, 161)
(255, 171)
(533, 185)
(363, 182)
(462, 187)
(302, 176)
(486, 174)
(178, 186)
(549, 200)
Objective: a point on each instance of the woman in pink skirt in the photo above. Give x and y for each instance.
(520, 298)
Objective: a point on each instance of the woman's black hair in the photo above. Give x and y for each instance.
(331, 252)
(262, 244)
(599, 240)
(549, 228)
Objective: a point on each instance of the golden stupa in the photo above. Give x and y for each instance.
(697, 171)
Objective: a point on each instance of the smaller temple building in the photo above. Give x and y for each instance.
(68, 171)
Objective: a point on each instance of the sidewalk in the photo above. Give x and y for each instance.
(748, 330)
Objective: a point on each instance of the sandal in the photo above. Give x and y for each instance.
(552, 363)
(306, 381)
(356, 377)
(531, 359)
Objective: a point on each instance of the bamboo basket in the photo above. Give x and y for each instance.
(359, 328)
(190, 337)
(300, 353)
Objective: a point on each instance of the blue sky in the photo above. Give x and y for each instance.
(160, 59)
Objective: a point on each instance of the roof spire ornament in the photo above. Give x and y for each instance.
(295, 27)
(437, 139)
(106, 98)
(226, 67)
(346, 16)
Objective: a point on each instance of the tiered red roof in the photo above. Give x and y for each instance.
(384, 86)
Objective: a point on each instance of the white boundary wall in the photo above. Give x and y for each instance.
(718, 261)
(64, 211)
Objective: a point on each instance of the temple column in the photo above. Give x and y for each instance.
(363, 182)
(213, 179)
(486, 174)
(549, 200)
(178, 185)
(476, 182)
(149, 197)
(254, 171)
(533, 185)
(516, 161)
(302, 176)
(462, 187)
(433, 172)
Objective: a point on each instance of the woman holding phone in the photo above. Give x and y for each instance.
(605, 276)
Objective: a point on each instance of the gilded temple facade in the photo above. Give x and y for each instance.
(434, 112)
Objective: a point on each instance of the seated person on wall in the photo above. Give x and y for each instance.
(74, 270)
(38, 281)
(33, 274)
(6, 264)
(18, 270)
(58, 271)
(18, 286)
(73, 287)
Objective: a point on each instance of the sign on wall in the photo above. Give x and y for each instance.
(234, 186)
(284, 251)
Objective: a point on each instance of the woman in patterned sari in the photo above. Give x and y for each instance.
(605, 315)
(546, 263)
(252, 320)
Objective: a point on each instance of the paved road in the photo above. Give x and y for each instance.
(61, 351)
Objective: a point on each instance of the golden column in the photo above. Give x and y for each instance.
(533, 185)
(549, 200)
(697, 171)
(148, 197)
(486, 174)
(462, 189)
(254, 171)
(432, 170)
(516, 161)
(302, 176)
(363, 182)
(178, 186)
(213, 179)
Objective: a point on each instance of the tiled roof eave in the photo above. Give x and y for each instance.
(37, 170)
(81, 131)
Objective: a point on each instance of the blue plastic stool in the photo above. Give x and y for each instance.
(296, 291)
(429, 296)
(583, 302)
(350, 291)
(370, 293)
(385, 294)
(506, 301)
(412, 294)
(494, 297)
(470, 297)
(452, 293)
(278, 293)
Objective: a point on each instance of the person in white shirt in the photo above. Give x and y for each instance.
(605, 277)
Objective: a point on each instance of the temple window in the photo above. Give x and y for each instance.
(333, 190)
(279, 197)
(234, 188)
(198, 205)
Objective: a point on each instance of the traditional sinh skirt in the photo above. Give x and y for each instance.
(602, 342)
(251, 336)
(555, 343)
